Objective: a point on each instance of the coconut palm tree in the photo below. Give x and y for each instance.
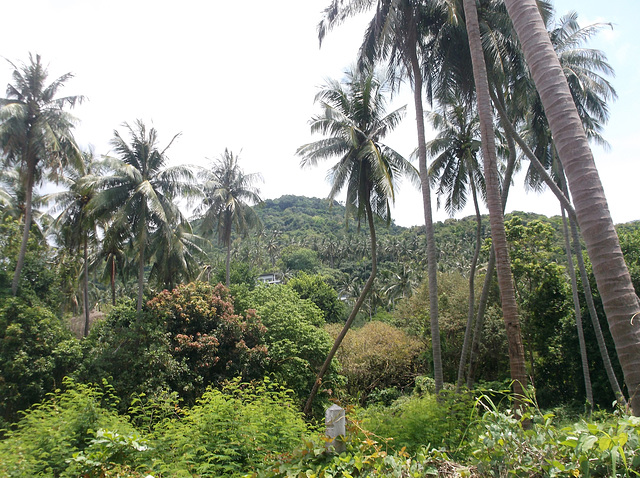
(355, 120)
(401, 33)
(620, 302)
(139, 194)
(74, 224)
(36, 134)
(494, 201)
(228, 194)
(455, 170)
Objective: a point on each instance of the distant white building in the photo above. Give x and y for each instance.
(269, 278)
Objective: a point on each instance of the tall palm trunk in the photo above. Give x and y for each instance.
(352, 316)
(472, 292)
(494, 203)
(491, 265)
(85, 286)
(576, 305)
(619, 299)
(432, 266)
(27, 226)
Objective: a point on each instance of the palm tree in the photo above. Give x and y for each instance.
(35, 133)
(620, 302)
(140, 193)
(494, 201)
(75, 226)
(398, 33)
(228, 194)
(454, 170)
(354, 119)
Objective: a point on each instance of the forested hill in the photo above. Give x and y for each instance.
(299, 214)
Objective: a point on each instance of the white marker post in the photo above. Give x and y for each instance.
(335, 423)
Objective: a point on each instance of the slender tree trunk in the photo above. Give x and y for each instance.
(472, 288)
(352, 316)
(576, 305)
(143, 243)
(591, 307)
(494, 203)
(228, 265)
(619, 299)
(27, 227)
(113, 282)
(432, 265)
(85, 286)
(488, 278)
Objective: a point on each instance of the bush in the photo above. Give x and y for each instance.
(230, 431)
(50, 432)
(184, 340)
(317, 290)
(429, 420)
(377, 356)
(297, 344)
(36, 351)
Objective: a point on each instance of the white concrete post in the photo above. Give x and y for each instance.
(335, 423)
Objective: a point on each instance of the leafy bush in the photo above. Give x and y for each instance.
(377, 356)
(317, 290)
(230, 431)
(184, 340)
(530, 444)
(297, 344)
(36, 351)
(52, 431)
(428, 420)
(207, 338)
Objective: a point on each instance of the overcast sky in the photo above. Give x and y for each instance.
(243, 75)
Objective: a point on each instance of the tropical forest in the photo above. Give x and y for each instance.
(160, 319)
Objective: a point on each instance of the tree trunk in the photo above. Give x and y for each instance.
(27, 226)
(494, 203)
(591, 307)
(113, 282)
(472, 288)
(85, 286)
(143, 242)
(576, 305)
(432, 265)
(352, 316)
(619, 299)
(491, 265)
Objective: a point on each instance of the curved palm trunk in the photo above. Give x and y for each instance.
(619, 299)
(27, 226)
(85, 286)
(494, 203)
(352, 316)
(472, 291)
(576, 306)
(432, 266)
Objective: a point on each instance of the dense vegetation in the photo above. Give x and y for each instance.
(137, 341)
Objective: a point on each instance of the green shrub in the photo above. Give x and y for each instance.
(431, 421)
(230, 431)
(297, 344)
(317, 290)
(48, 435)
(530, 444)
(36, 351)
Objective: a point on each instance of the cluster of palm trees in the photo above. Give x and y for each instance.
(472, 58)
(120, 210)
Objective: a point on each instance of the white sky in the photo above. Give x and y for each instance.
(243, 75)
